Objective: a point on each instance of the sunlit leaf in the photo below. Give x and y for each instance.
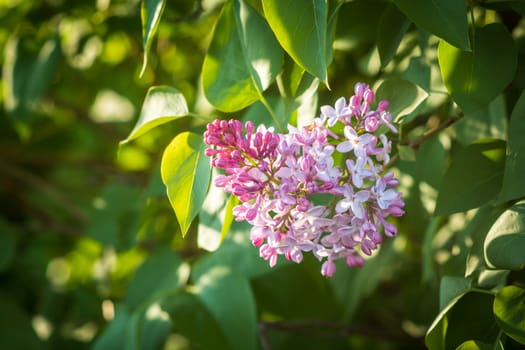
(465, 74)
(515, 164)
(150, 13)
(161, 105)
(186, 173)
(301, 28)
(228, 215)
(404, 97)
(392, 27)
(445, 18)
(505, 242)
(478, 345)
(509, 310)
(228, 297)
(473, 178)
(235, 72)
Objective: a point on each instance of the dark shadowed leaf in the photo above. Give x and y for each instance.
(468, 316)
(228, 297)
(392, 27)
(473, 178)
(515, 164)
(446, 19)
(158, 274)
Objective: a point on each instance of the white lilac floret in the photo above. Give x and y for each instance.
(277, 176)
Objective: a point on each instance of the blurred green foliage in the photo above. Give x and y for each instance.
(105, 102)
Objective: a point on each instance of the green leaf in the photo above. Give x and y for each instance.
(450, 288)
(303, 282)
(301, 28)
(352, 286)
(186, 172)
(478, 345)
(365, 21)
(192, 319)
(161, 272)
(161, 105)
(505, 242)
(465, 74)
(235, 252)
(392, 27)
(476, 230)
(243, 59)
(120, 333)
(150, 13)
(473, 178)
(7, 245)
(114, 216)
(488, 122)
(28, 74)
(468, 316)
(509, 310)
(445, 18)
(228, 297)
(515, 164)
(404, 97)
(17, 331)
(233, 201)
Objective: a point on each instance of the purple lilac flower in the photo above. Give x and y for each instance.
(276, 177)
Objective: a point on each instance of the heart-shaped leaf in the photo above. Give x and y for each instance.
(404, 96)
(474, 177)
(465, 74)
(186, 172)
(445, 18)
(505, 241)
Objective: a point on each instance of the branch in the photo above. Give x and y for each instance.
(328, 329)
(48, 189)
(427, 135)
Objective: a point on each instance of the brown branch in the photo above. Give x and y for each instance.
(328, 328)
(43, 186)
(427, 135)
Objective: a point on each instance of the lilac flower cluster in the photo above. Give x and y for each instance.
(321, 188)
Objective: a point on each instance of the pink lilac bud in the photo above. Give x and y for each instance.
(277, 177)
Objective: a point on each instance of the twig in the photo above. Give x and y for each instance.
(427, 135)
(52, 192)
(328, 328)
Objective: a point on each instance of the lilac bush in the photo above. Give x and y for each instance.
(322, 188)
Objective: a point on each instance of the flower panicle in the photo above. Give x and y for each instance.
(279, 179)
